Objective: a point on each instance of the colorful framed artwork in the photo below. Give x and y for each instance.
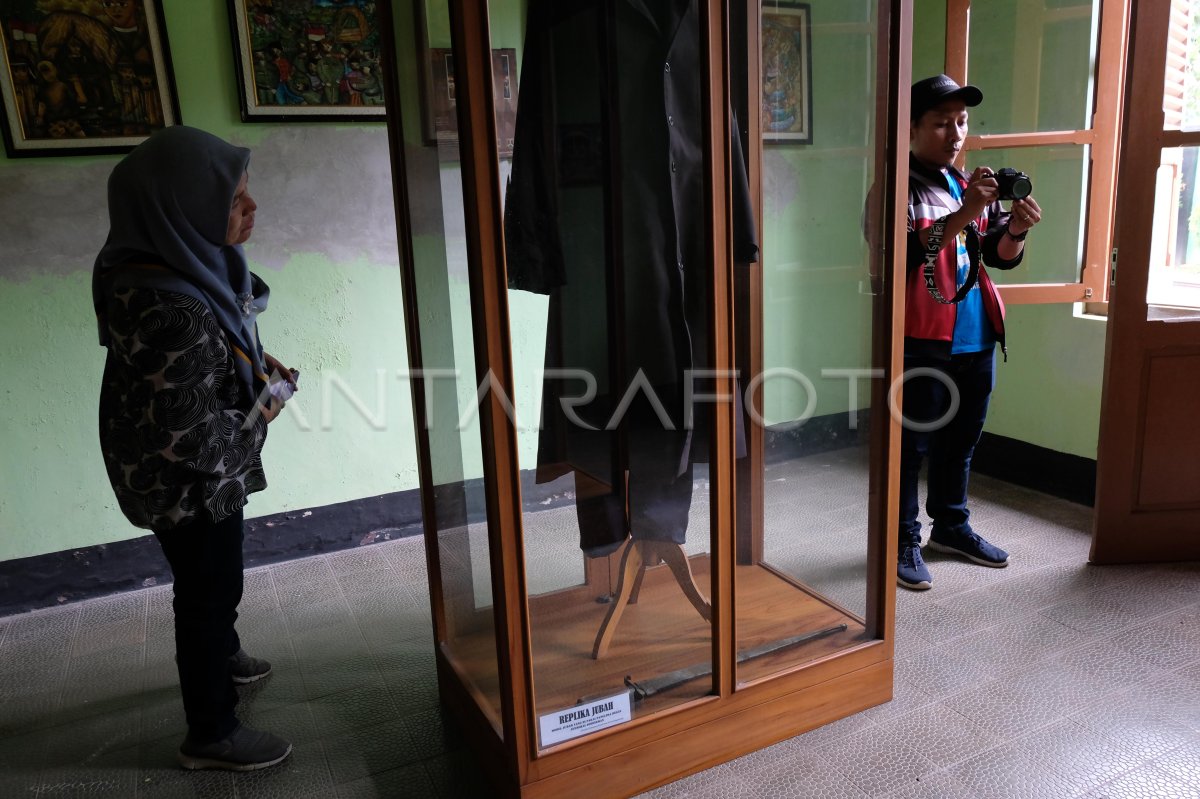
(307, 60)
(786, 72)
(82, 77)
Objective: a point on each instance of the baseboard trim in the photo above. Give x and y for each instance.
(1059, 474)
(72, 575)
(57, 578)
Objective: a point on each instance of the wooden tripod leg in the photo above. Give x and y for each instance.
(631, 566)
(677, 562)
(648, 560)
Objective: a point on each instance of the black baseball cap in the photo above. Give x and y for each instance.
(928, 93)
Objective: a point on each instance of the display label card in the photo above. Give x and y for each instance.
(593, 715)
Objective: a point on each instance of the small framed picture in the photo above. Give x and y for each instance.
(85, 77)
(439, 110)
(786, 72)
(440, 118)
(309, 61)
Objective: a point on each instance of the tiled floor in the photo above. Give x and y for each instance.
(1047, 679)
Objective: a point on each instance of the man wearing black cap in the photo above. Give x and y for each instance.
(954, 317)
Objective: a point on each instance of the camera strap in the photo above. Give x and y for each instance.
(932, 248)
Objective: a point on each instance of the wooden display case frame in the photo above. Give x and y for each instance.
(735, 718)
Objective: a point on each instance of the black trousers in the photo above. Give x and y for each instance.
(206, 559)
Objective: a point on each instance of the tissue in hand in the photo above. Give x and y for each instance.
(281, 390)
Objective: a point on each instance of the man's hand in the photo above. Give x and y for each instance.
(982, 189)
(1025, 214)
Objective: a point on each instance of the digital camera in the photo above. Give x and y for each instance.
(1014, 185)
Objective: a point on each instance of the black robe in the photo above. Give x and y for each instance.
(605, 213)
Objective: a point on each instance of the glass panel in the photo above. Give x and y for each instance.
(448, 355)
(801, 576)
(1181, 89)
(608, 269)
(1034, 61)
(1173, 286)
(1054, 250)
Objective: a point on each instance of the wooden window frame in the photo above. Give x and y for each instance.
(1102, 138)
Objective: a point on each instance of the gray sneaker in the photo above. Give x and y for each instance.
(245, 669)
(244, 750)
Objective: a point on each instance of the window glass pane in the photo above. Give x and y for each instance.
(1034, 62)
(1173, 288)
(1053, 251)
(1181, 89)
(801, 580)
(448, 354)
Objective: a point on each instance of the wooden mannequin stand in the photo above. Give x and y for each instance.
(639, 556)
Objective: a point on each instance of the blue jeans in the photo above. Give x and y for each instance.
(950, 446)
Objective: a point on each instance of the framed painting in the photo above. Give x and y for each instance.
(786, 72)
(82, 77)
(307, 60)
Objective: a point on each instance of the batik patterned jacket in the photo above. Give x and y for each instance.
(173, 415)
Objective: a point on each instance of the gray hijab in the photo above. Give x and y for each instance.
(168, 204)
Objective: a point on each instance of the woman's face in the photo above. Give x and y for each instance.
(241, 215)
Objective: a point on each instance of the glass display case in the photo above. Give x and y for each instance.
(649, 259)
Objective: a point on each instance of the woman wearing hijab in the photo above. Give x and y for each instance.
(184, 407)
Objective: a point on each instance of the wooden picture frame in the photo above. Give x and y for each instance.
(786, 98)
(89, 78)
(307, 62)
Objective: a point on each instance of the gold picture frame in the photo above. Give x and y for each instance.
(83, 77)
(786, 99)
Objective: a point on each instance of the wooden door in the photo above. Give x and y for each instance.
(1148, 482)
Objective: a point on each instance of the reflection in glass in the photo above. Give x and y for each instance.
(1054, 251)
(1173, 285)
(609, 269)
(801, 579)
(1035, 62)
(448, 359)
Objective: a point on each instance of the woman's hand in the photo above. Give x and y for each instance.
(275, 366)
(272, 409)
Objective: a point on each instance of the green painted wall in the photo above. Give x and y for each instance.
(326, 244)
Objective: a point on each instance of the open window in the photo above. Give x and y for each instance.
(1173, 285)
(1051, 72)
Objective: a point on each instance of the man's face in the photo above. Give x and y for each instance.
(938, 135)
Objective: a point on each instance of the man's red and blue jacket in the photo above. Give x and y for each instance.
(928, 324)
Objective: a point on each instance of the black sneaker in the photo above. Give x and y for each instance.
(911, 571)
(244, 750)
(968, 543)
(244, 669)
